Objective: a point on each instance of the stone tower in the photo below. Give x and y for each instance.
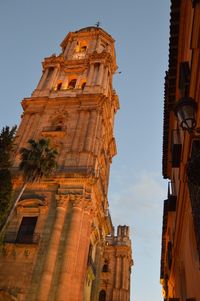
(116, 265)
(55, 242)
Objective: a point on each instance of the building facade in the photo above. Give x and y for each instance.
(180, 257)
(60, 243)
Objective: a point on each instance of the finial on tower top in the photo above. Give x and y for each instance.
(97, 23)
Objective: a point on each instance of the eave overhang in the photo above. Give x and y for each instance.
(170, 80)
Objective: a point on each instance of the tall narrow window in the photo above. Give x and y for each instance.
(105, 267)
(83, 85)
(59, 86)
(72, 84)
(83, 49)
(26, 230)
(102, 295)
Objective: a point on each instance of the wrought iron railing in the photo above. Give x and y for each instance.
(14, 237)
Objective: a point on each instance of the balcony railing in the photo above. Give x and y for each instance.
(14, 237)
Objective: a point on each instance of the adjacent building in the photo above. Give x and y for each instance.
(180, 257)
(60, 244)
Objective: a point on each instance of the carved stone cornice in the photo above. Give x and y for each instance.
(75, 66)
(99, 56)
(103, 57)
(53, 60)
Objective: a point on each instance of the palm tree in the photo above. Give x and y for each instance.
(37, 161)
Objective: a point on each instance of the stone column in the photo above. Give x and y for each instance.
(90, 75)
(65, 82)
(100, 74)
(124, 272)
(90, 130)
(105, 79)
(71, 48)
(52, 79)
(98, 135)
(118, 276)
(29, 127)
(67, 49)
(127, 273)
(83, 130)
(42, 80)
(64, 288)
(98, 43)
(49, 266)
(108, 48)
(77, 134)
(22, 128)
(95, 75)
(81, 258)
(95, 283)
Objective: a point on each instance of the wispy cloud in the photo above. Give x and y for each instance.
(139, 203)
(139, 199)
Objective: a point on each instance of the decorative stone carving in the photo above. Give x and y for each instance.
(77, 201)
(88, 208)
(62, 200)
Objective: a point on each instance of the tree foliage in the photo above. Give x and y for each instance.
(6, 146)
(37, 161)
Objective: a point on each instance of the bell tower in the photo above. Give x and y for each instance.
(80, 103)
(73, 105)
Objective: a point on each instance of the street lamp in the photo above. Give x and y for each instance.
(185, 110)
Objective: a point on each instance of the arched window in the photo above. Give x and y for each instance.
(83, 85)
(102, 295)
(83, 48)
(59, 86)
(105, 268)
(72, 84)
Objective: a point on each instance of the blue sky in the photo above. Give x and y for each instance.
(31, 30)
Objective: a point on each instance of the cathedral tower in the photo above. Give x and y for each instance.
(54, 244)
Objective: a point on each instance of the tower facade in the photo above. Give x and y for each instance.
(116, 265)
(61, 228)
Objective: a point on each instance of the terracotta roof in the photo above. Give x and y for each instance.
(170, 79)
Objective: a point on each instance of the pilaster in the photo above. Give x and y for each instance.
(49, 266)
